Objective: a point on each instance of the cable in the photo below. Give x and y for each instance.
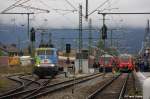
(14, 5)
(55, 9)
(98, 7)
(71, 5)
(44, 4)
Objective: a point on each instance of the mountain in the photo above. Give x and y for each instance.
(129, 40)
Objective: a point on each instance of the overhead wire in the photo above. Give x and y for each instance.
(44, 4)
(11, 5)
(109, 5)
(98, 7)
(71, 5)
(56, 9)
(121, 18)
(65, 11)
(14, 5)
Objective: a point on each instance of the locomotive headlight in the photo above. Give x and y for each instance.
(38, 65)
(52, 65)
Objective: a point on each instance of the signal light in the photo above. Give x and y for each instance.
(68, 48)
(32, 35)
(104, 32)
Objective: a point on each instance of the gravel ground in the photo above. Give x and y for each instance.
(133, 86)
(112, 91)
(6, 84)
(81, 91)
(58, 78)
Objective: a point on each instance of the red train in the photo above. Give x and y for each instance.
(107, 61)
(125, 63)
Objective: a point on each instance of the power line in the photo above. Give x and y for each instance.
(14, 5)
(98, 7)
(29, 7)
(125, 13)
(71, 5)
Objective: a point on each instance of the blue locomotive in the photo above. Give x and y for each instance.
(46, 62)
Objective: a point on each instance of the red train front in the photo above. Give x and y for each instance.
(125, 63)
(107, 61)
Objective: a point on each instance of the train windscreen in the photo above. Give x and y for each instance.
(45, 52)
(124, 58)
(41, 52)
(106, 59)
(49, 52)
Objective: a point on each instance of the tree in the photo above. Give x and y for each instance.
(100, 44)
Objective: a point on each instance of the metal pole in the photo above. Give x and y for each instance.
(80, 38)
(50, 39)
(19, 44)
(90, 36)
(111, 37)
(104, 43)
(62, 44)
(74, 78)
(28, 27)
(104, 58)
(32, 48)
(28, 32)
(86, 14)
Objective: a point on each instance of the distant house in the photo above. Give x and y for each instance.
(9, 49)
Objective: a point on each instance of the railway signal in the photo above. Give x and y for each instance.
(104, 32)
(32, 35)
(68, 48)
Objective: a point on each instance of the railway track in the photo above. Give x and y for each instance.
(18, 88)
(26, 85)
(113, 89)
(27, 90)
(133, 91)
(58, 86)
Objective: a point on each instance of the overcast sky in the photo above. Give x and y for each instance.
(60, 19)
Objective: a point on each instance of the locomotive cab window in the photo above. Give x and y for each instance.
(49, 52)
(125, 58)
(106, 59)
(41, 52)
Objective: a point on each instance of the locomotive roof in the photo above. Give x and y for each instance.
(46, 48)
(106, 55)
(127, 55)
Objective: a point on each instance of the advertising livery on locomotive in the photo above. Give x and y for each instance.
(46, 62)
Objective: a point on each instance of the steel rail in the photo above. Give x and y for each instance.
(91, 96)
(123, 89)
(13, 90)
(59, 86)
(18, 90)
(23, 92)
